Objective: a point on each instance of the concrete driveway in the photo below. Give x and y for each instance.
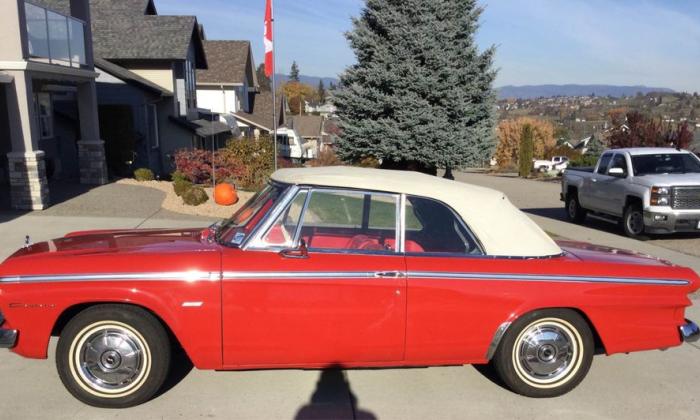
(652, 384)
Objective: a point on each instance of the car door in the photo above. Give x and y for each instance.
(612, 188)
(321, 284)
(597, 188)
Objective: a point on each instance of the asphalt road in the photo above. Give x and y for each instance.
(655, 384)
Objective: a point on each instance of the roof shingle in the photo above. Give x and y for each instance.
(229, 62)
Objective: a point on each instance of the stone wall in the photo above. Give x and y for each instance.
(93, 164)
(29, 188)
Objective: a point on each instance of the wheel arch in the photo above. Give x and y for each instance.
(504, 327)
(633, 199)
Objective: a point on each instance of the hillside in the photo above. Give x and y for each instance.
(547, 91)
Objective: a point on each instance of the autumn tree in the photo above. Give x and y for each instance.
(296, 93)
(510, 133)
(294, 72)
(639, 130)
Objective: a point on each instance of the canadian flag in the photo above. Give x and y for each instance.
(269, 64)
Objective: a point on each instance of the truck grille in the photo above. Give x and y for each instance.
(685, 198)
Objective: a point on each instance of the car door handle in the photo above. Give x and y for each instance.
(389, 274)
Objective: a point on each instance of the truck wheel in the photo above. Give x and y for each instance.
(545, 353)
(633, 221)
(574, 211)
(113, 356)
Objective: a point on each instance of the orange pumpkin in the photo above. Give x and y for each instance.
(225, 194)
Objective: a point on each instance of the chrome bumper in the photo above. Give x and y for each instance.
(8, 338)
(690, 332)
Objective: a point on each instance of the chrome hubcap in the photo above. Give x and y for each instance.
(635, 222)
(111, 358)
(545, 352)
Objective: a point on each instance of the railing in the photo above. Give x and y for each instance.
(53, 37)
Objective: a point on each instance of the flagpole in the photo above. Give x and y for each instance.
(274, 102)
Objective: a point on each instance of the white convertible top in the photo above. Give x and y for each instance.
(502, 229)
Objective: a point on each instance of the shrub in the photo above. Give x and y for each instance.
(369, 162)
(195, 196)
(255, 156)
(178, 176)
(584, 160)
(198, 165)
(326, 158)
(143, 174)
(181, 186)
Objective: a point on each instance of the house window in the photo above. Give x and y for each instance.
(44, 113)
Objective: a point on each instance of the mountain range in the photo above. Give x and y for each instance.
(527, 91)
(537, 91)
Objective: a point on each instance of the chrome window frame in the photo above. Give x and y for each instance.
(255, 239)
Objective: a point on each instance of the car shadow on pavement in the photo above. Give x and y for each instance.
(180, 367)
(489, 372)
(333, 399)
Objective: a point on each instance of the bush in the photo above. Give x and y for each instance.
(197, 165)
(369, 162)
(144, 174)
(255, 159)
(326, 158)
(178, 176)
(583, 161)
(181, 186)
(195, 196)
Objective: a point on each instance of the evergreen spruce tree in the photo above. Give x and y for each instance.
(420, 96)
(321, 92)
(294, 72)
(527, 151)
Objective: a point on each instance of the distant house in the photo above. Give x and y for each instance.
(325, 110)
(229, 81)
(259, 118)
(147, 85)
(49, 127)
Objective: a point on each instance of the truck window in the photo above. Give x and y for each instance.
(665, 163)
(619, 162)
(603, 164)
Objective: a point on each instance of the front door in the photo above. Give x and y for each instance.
(340, 299)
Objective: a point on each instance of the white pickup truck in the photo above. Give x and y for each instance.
(648, 190)
(558, 163)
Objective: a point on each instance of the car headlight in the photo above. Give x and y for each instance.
(660, 196)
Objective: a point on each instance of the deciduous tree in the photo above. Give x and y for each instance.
(510, 134)
(297, 93)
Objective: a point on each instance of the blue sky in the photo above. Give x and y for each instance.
(630, 42)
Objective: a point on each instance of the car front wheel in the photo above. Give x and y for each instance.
(545, 353)
(633, 221)
(113, 356)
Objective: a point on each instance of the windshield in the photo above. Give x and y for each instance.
(665, 163)
(236, 228)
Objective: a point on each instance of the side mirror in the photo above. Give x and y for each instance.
(299, 252)
(617, 172)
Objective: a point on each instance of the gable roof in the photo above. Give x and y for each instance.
(130, 30)
(261, 114)
(230, 62)
(130, 77)
(308, 125)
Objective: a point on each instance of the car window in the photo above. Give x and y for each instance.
(604, 161)
(350, 220)
(283, 230)
(437, 229)
(665, 163)
(619, 161)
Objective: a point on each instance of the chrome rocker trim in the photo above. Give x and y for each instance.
(690, 332)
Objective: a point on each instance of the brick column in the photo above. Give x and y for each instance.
(29, 189)
(93, 165)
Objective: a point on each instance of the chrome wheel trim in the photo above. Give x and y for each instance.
(547, 353)
(110, 359)
(635, 222)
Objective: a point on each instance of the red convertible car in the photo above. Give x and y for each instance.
(339, 267)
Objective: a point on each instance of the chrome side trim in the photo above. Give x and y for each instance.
(542, 278)
(237, 275)
(188, 276)
(690, 332)
(500, 332)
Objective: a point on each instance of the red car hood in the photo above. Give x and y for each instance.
(111, 241)
(597, 253)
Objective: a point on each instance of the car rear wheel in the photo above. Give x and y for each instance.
(574, 211)
(633, 221)
(113, 356)
(545, 353)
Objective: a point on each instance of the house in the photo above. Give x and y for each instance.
(226, 85)
(146, 90)
(302, 139)
(325, 110)
(49, 126)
